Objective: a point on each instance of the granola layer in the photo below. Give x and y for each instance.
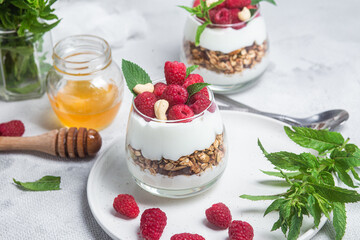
(227, 63)
(195, 163)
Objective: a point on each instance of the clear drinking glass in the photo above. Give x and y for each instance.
(176, 158)
(85, 86)
(230, 56)
(24, 63)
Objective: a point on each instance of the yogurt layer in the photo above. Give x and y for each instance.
(227, 39)
(173, 140)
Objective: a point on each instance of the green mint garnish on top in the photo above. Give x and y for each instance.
(202, 11)
(134, 75)
(312, 191)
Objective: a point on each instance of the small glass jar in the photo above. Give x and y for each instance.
(230, 56)
(176, 158)
(24, 63)
(85, 86)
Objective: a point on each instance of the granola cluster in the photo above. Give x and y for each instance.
(228, 63)
(196, 163)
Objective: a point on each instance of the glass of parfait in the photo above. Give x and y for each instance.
(175, 141)
(233, 51)
(85, 86)
(176, 158)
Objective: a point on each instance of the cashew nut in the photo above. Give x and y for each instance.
(209, 2)
(244, 15)
(160, 108)
(140, 88)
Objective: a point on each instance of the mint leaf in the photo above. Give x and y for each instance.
(216, 4)
(258, 198)
(196, 87)
(314, 210)
(254, 2)
(326, 178)
(343, 175)
(339, 220)
(277, 174)
(336, 194)
(275, 205)
(287, 160)
(134, 75)
(347, 160)
(294, 228)
(199, 31)
(319, 140)
(262, 147)
(46, 183)
(355, 174)
(190, 69)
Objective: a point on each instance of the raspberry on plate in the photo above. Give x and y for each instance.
(240, 230)
(175, 94)
(159, 89)
(237, 3)
(126, 205)
(196, 78)
(175, 72)
(145, 102)
(152, 223)
(187, 236)
(180, 111)
(219, 215)
(14, 128)
(222, 16)
(200, 104)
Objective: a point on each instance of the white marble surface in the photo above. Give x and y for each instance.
(315, 66)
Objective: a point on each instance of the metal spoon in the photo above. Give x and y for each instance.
(324, 120)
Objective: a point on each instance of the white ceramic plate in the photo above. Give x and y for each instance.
(110, 177)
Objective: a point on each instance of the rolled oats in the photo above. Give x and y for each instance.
(195, 163)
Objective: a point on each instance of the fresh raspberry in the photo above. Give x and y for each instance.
(175, 94)
(235, 19)
(195, 78)
(145, 102)
(152, 223)
(237, 3)
(159, 89)
(196, 3)
(14, 128)
(222, 16)
(187, 236)
(126, 205)
(212, 13)
(222, 5)
(239, 230)
(180, 111)
(219, 215)
(200, 104)
(175, 72)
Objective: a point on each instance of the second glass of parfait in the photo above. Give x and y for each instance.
(232, 52)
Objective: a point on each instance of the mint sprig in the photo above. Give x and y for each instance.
(254, 2)
(134, 75)
(191, 69)
(196, 87)
(312, 190)
(46, 183)
(202, 11)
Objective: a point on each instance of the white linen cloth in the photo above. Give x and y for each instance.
(315, 66)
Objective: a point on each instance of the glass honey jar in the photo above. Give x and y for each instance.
(85, 86)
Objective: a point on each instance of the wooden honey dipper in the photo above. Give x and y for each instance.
(64, 142)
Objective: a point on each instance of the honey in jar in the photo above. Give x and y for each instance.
(85, 86)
